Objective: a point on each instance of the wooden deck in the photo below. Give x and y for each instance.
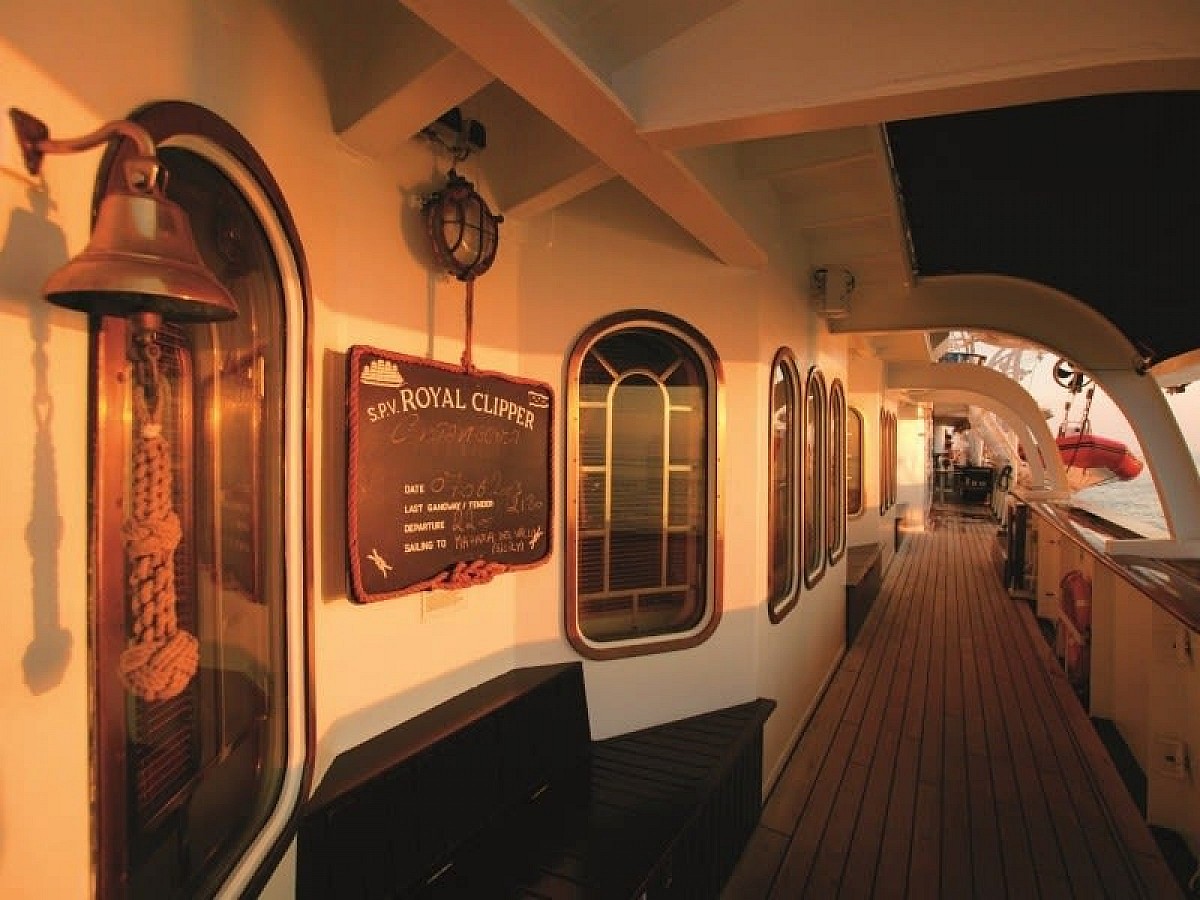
(949, 757)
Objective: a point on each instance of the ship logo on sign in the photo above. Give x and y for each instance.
(538, 400)
(381, 373)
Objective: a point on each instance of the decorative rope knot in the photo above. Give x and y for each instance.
(149, 538)
(160, 670)
(467, 574)
(161, 658)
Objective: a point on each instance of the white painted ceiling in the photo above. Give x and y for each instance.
(730, 116)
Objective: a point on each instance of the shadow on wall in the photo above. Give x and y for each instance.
(33, 249)
(332, 531)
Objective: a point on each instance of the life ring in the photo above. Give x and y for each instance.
(1004, 479)
(1077, 598)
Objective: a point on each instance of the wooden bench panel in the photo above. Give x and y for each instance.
(500, 792)
(864, 575)
(391, 811)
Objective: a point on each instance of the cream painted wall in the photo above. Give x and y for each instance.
(911, 471)
(77, 65)
(797, 655)
(1140, 680)
(607, 251)
(1174, 707)
(44, 829)
(1130, 676)
(374, 666)
(867, 377)
(1105, 640)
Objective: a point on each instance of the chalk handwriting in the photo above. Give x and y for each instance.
(470, 439)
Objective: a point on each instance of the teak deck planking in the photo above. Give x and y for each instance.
(949, 757)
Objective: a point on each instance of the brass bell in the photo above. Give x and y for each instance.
(141, 258)
(141, 261)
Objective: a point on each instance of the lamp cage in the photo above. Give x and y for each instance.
(462, 229)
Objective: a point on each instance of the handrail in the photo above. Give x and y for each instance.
(1173, 585)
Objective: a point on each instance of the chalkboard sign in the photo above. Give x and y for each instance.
(449, 475)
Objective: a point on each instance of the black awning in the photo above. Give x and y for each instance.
(1098, 197)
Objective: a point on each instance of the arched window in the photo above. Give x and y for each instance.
(854, 462)
(783, 535)
(887, 461)
(191, 790)
(643, 551)
(814, 467)
(835, 506)
(892, 460)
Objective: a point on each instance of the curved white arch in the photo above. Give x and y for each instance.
(998, 303)
(1072, 328)
(1037, 466)
(985, 387)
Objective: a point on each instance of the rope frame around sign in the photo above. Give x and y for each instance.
(449, 474)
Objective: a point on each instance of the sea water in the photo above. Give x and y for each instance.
(1134, 500)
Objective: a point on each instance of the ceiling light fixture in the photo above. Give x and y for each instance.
(831, 287)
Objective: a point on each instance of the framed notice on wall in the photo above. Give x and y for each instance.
(449, 474)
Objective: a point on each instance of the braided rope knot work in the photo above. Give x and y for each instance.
(161, 658)
(468, 574)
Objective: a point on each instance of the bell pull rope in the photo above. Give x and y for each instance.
(161, 658)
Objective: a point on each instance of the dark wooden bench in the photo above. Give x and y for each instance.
(900, 526)
(864, 575)
(500, 792)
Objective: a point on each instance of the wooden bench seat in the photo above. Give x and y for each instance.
(663, 812)
(864, 575)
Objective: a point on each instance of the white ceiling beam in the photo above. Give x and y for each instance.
(394, 118)
(808, 217)
(803, 152)
(531, 164)
(762, 68)
(387, 74)
(897, 224)
(531, 62)
(559, 192)
(865, 239)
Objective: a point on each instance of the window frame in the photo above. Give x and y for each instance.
(836, 480)
(710, 365)
(814, 488)
(893, 459)
(856, 413)
(189, 127)
(887, 461)
(782, 600)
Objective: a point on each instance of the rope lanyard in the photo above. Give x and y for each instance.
(468, 363)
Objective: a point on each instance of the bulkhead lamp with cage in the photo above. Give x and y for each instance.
(462, 229)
